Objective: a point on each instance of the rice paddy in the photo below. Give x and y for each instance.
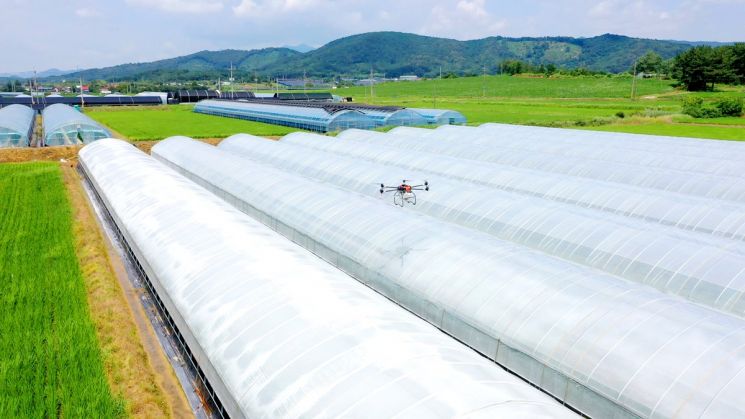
(50, 361)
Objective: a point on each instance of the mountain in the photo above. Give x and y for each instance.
(395, 54)
(398, 53)
(203, 64)
(29, 74)
(300, 47)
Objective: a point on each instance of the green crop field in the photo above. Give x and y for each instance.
(584, 102)
(157, 123)
(50, 361)
(587, 102)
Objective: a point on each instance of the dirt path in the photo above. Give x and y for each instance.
(135, 364)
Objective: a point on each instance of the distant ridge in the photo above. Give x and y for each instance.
(395, 54)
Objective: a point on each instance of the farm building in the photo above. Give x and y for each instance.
(192, 96)
(316, 96)
(162, 95)
(65, 125)
(237, 95)
(305, 117)
(84, 100)
(604, 336)
(331, 346)
(441, 116)
(16, 125)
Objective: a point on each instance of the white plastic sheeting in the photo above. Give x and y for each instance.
(686, 212)
(400, 117)
(63, 125)
(604, 345)
(441, 116)
(664, 179)
(695, 147)
(310, 118)
(576, 143)
(279, 332)
(699, 267)
(16, 125)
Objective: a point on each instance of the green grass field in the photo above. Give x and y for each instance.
(586, 102)
(583, 102)
(50, 361)
(157, 123)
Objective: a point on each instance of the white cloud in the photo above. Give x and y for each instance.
(181, 6)
(469, 18)
(259, 8)
(86, 12)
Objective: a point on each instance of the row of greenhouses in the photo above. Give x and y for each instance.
(62, 124)
(277, 331)
(614, 285)
(327, 117)
(620, 299)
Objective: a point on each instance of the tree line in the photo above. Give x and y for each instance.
(700, 67)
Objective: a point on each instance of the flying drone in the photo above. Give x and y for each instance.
(404, 193)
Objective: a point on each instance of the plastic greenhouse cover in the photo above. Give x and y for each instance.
(566, 143)
(720, 218)
(280, 331)
(399, 117)
(723, 149)
(294, 115)
(16, 121)
(441, 115)
(689, 183)
(63, 124)
(702, 268)
(593, 340)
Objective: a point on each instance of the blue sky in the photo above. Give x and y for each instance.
(70, 34)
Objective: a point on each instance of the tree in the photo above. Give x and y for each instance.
(737, 62)
(700, 67)
(693, 68)
(649, 63)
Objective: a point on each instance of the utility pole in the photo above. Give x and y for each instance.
(633, 82)
(304, 82)
(82, 100)
(232, 80)
(483, 83)
(372, 84)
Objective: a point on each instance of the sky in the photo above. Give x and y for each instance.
(77, 34)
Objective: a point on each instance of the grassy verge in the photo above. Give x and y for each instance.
(157, 123)
(51, 364)
(128, 365)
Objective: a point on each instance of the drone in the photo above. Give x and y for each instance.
(404, 193)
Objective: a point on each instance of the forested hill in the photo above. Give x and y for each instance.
(395, 53)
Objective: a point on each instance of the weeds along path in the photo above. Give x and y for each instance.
(135, 364)
(51, 364)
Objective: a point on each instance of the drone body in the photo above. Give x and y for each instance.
(404, 193)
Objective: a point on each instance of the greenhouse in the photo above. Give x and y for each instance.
(653, 143)
(604, 345)
(441, 116)
(693, 213)
(701, 268)
(64, 125)
(664, 179)
(312, 118)
(16, 126)
(394, 117)
(277, 331)
(709, 160)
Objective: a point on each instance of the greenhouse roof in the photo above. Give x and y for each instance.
(616, 344)
(277, 331)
